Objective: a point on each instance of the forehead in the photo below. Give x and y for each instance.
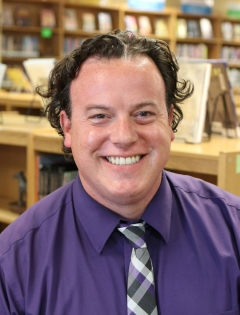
(139, 63)
(134, 77)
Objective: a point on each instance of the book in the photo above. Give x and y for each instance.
(145, 27)
(131, 23)
(227, 30)
(47, 18)
(105, 22)
(188, 51)
(231, 54)
(194, 108)
(70, 43)
(236, 31)
(221, 104)
(68, 176)
(234, 77)
(52, 171)
(23, 16)
(206, 28)
(19, 81)
(30, 45)
(221, 114)
(7, 16)
(181, 28)
(38, 70)
(20, 46)
(88, 22)
(161, 27)
(70, 19)
(193, 29)
(3, 69)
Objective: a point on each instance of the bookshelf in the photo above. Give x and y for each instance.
(211, 44)
(23, 33)
(17, 101)
(0, 27)
(63, 39)
(86, 19)
(15, 144)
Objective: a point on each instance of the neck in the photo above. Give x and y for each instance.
(129, 206)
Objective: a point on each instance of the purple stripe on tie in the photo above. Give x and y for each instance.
(139, 243)
(141, 279)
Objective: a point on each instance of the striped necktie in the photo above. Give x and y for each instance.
(140, 290)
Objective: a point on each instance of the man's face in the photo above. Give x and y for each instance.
(120, 132)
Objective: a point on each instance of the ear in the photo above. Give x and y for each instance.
(66, 128)
(170, 119)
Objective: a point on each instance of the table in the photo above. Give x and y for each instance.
(12, 100)
(220, 157)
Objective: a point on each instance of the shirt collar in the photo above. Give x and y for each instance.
(159, 211)
(99, 222)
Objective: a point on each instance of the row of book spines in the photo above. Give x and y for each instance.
(198, 51)
(144, 25)
(21, 15)
(70, 43)
(88, 21)
(203, 28)
(20, 46)
(194, 28)
(234, 77)
(28, 46)
(52, 172)
(231, 54)
(230, 31)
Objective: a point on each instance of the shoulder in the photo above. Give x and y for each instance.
(196, 189)
(37, 218)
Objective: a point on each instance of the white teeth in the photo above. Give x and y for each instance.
(123, 161)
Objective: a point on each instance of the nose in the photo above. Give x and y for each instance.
(123, 132)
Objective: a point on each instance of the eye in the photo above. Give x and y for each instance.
(145, 113)
(145, 117)
(98, 116)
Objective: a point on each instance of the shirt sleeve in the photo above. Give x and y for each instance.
(4, 302)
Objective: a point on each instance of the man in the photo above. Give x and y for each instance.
(115, 102)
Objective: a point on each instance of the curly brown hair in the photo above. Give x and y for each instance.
(115, 44)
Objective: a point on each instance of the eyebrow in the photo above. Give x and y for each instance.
(105, 107)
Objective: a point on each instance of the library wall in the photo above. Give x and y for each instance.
(0, 26)
(220, 6)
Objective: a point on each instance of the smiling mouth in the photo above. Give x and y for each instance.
(124, 161)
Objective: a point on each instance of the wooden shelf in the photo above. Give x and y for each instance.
(11, 101)
(169, 14)
(6, 216)
(198, 40)
(54, 46)
(35, 1)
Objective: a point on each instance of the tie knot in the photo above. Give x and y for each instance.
(135, 233)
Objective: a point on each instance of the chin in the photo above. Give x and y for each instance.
(126, 194)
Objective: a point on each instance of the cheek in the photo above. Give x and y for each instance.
(93, 137)
(87, 139)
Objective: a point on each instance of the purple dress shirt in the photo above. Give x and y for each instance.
(64, 255)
